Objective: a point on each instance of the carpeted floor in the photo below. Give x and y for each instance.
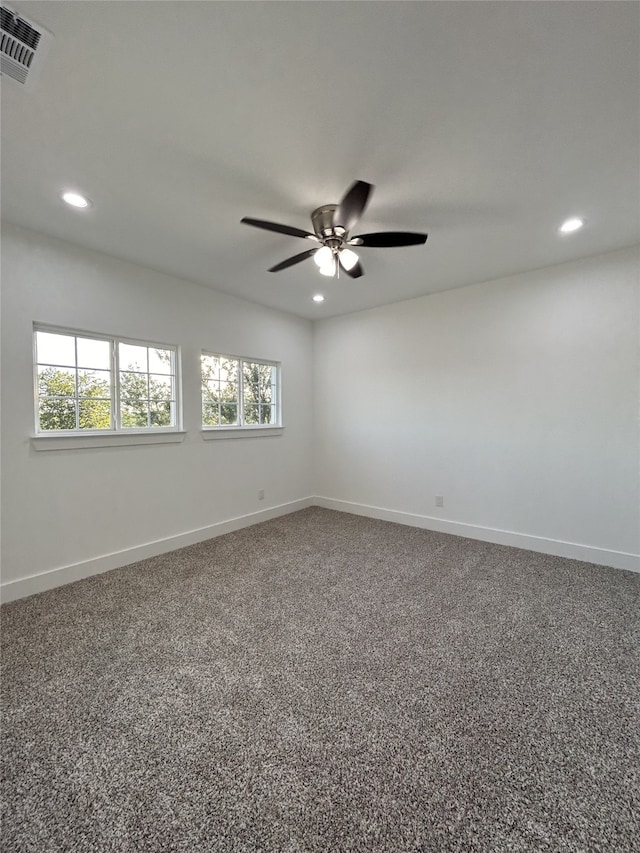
(326, 682)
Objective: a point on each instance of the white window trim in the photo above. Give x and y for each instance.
(246, 430)
(251, 431)
(84, 440)
(114, 437)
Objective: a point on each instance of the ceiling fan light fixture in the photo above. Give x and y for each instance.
(330, 268)
(332, 225)
(348, 259)
(323, 257)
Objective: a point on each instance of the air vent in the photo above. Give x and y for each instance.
(22, 46)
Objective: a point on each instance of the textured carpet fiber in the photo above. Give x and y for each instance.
(325, 682)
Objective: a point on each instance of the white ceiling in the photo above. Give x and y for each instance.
(485, 124)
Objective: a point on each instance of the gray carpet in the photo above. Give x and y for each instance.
(325, 682)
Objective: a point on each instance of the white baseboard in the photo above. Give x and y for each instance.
(587, 553)
(22, 587)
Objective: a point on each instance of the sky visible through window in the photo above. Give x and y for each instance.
(59, 349)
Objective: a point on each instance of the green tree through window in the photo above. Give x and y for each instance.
(238, 392)
(59, 408)
(258, 389)
(75, 379)
(146, 397)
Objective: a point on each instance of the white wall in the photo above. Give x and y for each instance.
(79, 508)
(517, 400)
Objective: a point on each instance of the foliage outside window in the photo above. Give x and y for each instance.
(239, 392)
(89, 383)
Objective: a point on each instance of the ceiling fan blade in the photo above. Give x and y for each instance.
(355, 272)
(294, 260)
(281, 229)
(352, 205)
(389, 238)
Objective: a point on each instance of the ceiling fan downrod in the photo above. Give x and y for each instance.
(328, 234)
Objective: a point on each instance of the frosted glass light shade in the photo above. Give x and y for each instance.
(348, 259)
(330, 268)
(323, 257)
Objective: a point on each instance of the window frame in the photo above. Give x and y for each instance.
(176, 404)
(241, 428)
(65, 437)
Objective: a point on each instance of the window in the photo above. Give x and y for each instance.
(89, 383)
(239, 392)
(147, 386)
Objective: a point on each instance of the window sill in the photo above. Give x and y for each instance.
(115, 439)
(241, 432)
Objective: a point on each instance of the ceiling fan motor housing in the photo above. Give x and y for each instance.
(322, 220)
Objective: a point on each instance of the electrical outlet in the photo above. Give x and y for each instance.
(439, 500)
(260, 494)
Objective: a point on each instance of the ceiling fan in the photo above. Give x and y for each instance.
(332, 224)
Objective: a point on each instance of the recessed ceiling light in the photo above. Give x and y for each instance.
(318, 298)
(573, 224)
(76, 200)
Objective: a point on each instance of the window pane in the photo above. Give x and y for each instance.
(210, 414)
(56, 349)
(132, 357)
(251, 413)
(94, 383)
(57, 414)
(250, 373)
(95, 414)
(228, 413)
(257, 373)
(219, 390)
(160, 360)
(92, 353)
(229, 392)
(160, 387)
(160, 413)
(229, 369)
(135, 413)
(210, 391)
(251, 393)
(134, 386)
(219, 367)
(210, 366)
(265, 414)
(54, 382)
(259, 384)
